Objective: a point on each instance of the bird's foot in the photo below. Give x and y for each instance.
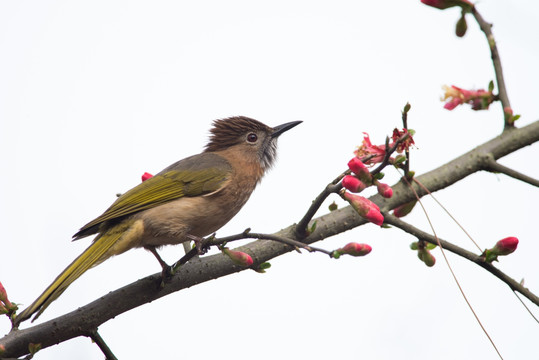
(201, 244)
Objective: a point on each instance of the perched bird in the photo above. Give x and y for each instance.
(190, 199)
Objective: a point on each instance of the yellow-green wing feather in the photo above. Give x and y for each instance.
(194, 176)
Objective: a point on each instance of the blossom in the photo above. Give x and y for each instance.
(353, 249)
(378, 152)
(405, 145)
(146, 176)
(478, 99)
(238, 257)
(365, 208)
(444, 4)
(353, 184)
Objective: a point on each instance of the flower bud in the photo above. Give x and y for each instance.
(353, 184)
(461, 27)
(365, 208)
(384, 190)
(353, 249)
(146, 176)
(506, 246)
(238, 257)
(360, 169)
(503, 247)
(3, 296)
(444, 4)
(424, 255)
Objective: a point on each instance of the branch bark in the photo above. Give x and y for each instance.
(85, 320)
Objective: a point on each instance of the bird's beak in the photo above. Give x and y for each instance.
(278, 130)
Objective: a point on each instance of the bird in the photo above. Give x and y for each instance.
(187, 200)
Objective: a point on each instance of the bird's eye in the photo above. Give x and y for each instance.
(252, 137)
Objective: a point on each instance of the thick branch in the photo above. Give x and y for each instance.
(87, 318)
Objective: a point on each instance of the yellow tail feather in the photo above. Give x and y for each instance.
(96, 253)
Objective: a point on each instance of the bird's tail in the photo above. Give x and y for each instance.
(96, 253)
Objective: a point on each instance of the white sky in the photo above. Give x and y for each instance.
(93, 94)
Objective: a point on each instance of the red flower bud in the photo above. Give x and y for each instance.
(146, 176)
(444, 4)
(384, 190)
(353, 184)
(506, 246)
(238, 257)
(503, 247)
(365, 208)
(357, 166)
(354, 249)
(3, 296)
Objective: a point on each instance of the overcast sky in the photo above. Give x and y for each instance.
(95, 93)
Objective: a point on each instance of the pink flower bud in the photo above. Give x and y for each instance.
(2, 349)
(384, 190)
(357, 166)
(444, 4)
(404, 209)
(238, 257)
(506, 246)
(354, 249)
(353, 184)
(365, 208)
(146, 176)
(3, 296)
(503, 247)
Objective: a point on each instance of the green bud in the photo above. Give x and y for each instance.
(333, 206)
(407, 108)
(414, 246)
(461, 27)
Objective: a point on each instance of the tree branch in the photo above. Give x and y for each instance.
(421, 235)
(83, 320)
(495, 56)
(495, 166)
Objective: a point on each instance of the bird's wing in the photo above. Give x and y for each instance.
(194, 176)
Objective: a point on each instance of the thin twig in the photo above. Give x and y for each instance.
(502, 91)
(448, 213)
(513, 284)
(452, 272)
(495, 166)
(247, 234)
(94, 335)
(526, 307)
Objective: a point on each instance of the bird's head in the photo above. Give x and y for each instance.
(249, 137)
